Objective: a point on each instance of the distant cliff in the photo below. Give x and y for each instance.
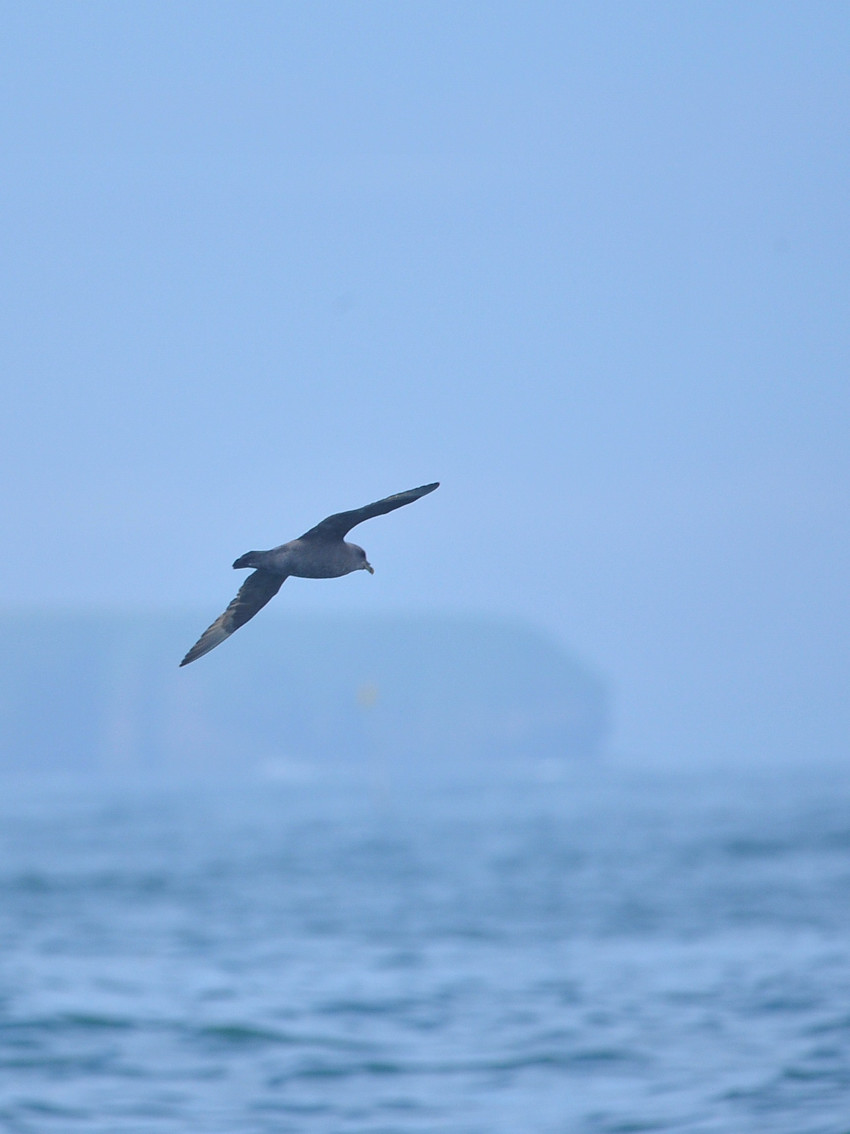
(105, 692)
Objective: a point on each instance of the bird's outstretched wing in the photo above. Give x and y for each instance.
(253, 595)
(337, 526)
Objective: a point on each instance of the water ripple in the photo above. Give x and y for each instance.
(585, 956)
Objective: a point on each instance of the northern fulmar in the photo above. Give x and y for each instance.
(321, 553)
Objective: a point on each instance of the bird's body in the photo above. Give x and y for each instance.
(321, 553)
(306, 561)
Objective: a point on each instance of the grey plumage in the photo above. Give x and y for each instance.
(320, 553)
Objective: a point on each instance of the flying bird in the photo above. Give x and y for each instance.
(321, 553)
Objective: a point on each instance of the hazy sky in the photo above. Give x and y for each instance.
(587, 264)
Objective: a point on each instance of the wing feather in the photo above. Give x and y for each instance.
(338, 525)
(253, 595)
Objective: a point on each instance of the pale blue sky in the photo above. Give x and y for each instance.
(587, 264)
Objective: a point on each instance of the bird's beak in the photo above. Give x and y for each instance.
(368, 567)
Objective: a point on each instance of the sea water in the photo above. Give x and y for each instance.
(546, 949)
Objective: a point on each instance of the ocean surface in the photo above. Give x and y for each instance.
(548, 949)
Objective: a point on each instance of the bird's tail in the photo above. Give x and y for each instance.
(249, 559)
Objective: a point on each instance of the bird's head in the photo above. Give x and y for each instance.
(363, 563)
